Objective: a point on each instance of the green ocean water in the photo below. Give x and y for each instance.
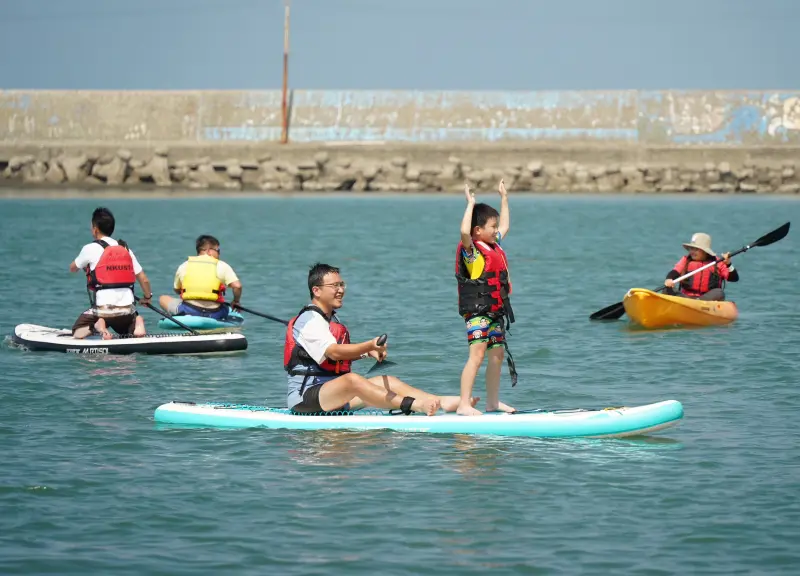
(89, 483)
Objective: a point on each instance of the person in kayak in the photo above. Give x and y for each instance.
(708, 284)
(111, 272)
(318, 356)
(201, 283)
(484, 288)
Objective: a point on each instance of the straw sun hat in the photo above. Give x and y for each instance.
(702, 241)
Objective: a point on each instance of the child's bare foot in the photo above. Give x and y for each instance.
(429, 405)
(501, 407)
(450, 403)
(467, 410)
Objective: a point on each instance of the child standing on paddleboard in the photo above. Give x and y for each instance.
(484, 288)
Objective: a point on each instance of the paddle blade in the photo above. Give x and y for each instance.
(613, 312)
(772, 237)
(379, 365)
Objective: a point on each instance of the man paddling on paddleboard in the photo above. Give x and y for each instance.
(705, 285)
(111, 273)
(318, 354)
(201, 283)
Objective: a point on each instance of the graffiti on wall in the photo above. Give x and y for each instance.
(431, 116)
(646, 117)
(726, 118)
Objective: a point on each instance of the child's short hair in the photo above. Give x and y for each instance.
(481, 214)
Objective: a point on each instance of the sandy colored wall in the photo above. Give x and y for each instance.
(404, 140)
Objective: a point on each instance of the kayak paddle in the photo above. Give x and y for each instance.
(385, 363)
(168, 317)
(615, 311)
(267, 316)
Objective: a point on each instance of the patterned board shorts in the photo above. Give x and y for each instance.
(485, 329)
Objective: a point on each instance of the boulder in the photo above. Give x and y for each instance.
(54, 174)
(156, 171)
(76, 168)
(34, 172)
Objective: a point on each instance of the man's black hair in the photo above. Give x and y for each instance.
(103, 220)
(205, 242)
(316, 275)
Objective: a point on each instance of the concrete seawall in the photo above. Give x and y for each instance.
(632, 141)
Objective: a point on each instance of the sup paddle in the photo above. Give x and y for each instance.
(168, 317)
(386, 363)
(615, 311)
(267, 316)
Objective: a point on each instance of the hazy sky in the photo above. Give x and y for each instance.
(401, 44)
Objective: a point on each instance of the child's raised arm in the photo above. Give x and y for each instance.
(466, 222)
(505, 216)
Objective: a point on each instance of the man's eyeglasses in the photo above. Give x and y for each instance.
(217, 250)
(336, 285)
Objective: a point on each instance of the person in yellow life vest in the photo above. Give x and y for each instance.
(201, 282)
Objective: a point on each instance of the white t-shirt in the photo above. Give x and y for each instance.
(313, 333)
(90, 256)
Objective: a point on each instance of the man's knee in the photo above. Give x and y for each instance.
(171, 305)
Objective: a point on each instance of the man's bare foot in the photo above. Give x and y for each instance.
(429, 405)
(501, 407)
(101, 328)
(467, 410)
(450, 403)
(139, 331)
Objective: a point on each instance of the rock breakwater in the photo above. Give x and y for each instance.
(336, 171)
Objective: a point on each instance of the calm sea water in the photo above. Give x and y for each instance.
(89, 484)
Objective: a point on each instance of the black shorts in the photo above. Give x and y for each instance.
(310, 403)
(122, 325)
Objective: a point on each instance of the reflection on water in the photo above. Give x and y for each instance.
(339, 448)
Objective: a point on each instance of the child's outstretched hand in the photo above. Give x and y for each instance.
(470, 195)
(502, 188)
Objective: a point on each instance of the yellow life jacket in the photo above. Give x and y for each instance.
(200, 280)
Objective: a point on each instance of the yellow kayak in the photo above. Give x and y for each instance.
(653, 310)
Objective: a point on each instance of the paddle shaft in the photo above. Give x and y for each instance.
(168, 316)
(709, 265)
(267, 316)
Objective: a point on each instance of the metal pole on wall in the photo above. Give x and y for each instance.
(284, 107)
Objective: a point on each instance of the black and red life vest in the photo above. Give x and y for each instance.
(296, 360)
(701, 282)
(113, 270)
(488, 294)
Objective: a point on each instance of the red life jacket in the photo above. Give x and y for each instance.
(296, 360)
(113, 270)
(488, 294)
(701, 282)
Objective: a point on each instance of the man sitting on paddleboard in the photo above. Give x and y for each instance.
(201, 283)
(111, 273)
(318, 354)
(705, 285)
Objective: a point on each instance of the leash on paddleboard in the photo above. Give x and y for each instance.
(167, 316)
(615, 311)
